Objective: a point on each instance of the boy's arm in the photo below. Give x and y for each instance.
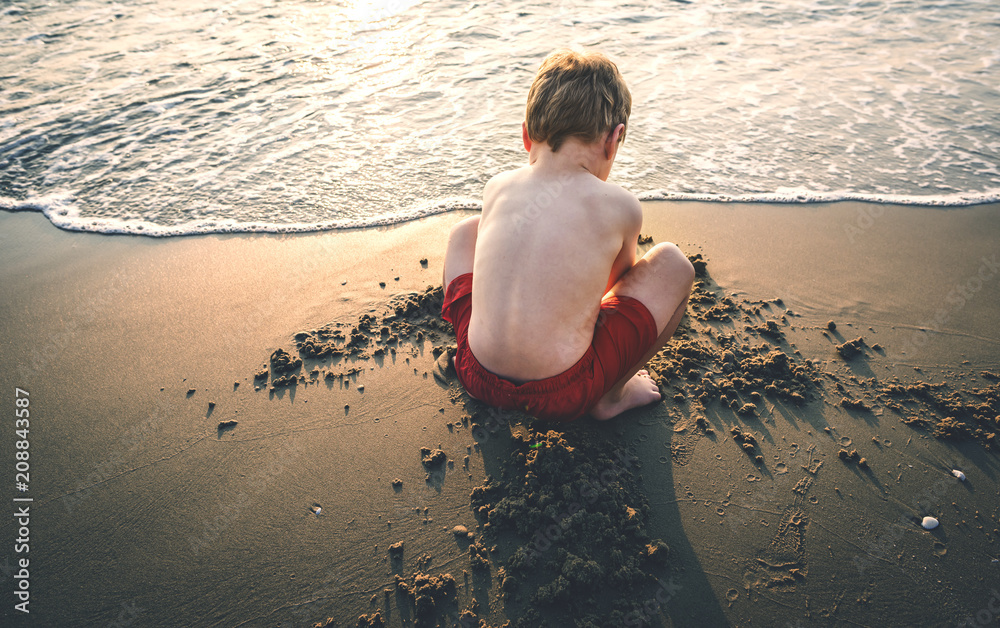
(627, 256)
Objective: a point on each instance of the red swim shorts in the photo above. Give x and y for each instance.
(625, 331)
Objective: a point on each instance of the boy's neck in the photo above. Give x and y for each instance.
(573, 155)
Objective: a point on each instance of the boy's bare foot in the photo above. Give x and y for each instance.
(641, 390)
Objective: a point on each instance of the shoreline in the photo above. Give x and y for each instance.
(177, 518)
(68, 220)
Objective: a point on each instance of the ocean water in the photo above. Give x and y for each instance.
(169, 118)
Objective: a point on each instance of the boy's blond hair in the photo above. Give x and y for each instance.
(576, 95)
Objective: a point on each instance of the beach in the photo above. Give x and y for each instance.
(173, 482)
(229, 389)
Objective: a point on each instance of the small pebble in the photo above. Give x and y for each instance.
(958, 474)
(929, 523)
(460, 531)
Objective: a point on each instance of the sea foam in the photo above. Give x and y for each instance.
(796, 195)
(63, 212)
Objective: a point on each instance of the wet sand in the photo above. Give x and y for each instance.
(183, 472)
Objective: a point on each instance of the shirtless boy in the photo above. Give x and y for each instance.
(562, 314)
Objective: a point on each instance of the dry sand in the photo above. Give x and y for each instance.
(168, 491)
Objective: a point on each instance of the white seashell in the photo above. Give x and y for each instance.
(929, 523)
(958, 474)
(318, 511)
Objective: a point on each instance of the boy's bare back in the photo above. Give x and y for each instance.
(553, 239)
(553, 313)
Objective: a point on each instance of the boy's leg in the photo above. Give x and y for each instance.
(461, 249)
(661, 280)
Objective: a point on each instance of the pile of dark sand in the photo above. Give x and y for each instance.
(741, 359)
(735, 364)
(333, 351)
(947, 411)
(566, 521)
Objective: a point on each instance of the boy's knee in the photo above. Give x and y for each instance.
(470, 224)
(461, 249)
(674, 263)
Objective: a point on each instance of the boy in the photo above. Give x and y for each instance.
(561, 315)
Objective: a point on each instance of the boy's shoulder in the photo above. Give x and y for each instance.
(622, 202)
(622, 206)
(505, 178)
(583, 182)
(619, 194)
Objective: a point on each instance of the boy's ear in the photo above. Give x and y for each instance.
(524, 136)
(611, 142)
